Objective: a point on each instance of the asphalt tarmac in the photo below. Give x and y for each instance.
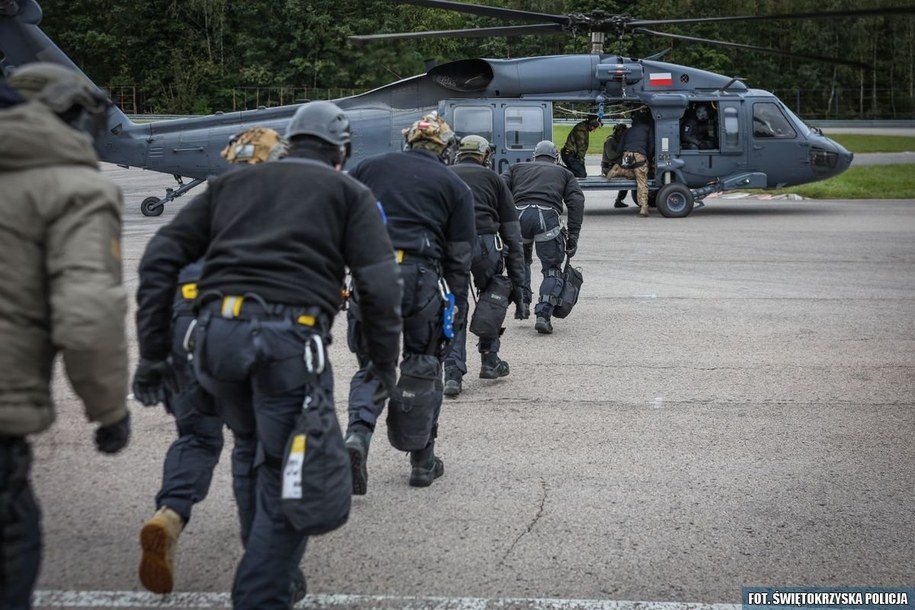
(731, 403)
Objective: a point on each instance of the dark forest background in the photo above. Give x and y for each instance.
(200, 56)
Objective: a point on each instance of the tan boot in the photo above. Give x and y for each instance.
(643, 211)
(158, 538)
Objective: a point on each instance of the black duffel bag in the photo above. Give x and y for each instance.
(571, 287)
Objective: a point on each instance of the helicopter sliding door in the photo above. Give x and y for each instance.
(513, 127)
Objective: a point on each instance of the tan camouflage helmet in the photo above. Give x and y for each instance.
(430, 132)
(474, 146)
(255, 145)
(58, 87)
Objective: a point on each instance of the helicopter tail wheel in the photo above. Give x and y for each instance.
(675, 200)
(152, 206)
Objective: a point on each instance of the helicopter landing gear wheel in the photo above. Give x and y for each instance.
(152, 206)
(675, 200)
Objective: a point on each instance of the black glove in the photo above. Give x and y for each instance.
(387, 375)
(571, 246)
(113, 437)
(522, 309)
(153, 381)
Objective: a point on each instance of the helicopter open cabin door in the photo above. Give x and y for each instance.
(512, 126)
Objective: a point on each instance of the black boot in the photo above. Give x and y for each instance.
(357, 446)
(493, 367)
(543, 325)
(452, 381)
(426, 466)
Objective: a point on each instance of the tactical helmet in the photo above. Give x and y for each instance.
(701, 112)
(323, 120)
(431, 131)
(474, 145)
(58, 87)
(545, 148)
(594, 121)
(255, 145)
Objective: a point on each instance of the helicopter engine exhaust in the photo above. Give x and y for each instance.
(464, 76)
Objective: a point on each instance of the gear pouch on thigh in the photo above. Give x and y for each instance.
(489, 312)
(572, 280)
(317, 485)
(410, 418)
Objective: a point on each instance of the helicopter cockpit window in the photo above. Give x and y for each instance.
(473, 120)
(769, 122)
(523, 128)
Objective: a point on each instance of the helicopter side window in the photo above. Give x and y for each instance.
(699, 127)
(769, 122)
(523, 128)
(731, 128)
(473, 120)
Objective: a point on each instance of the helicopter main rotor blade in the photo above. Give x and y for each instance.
(750, 47)
(487, 11)
(512, 30)
(870, 12)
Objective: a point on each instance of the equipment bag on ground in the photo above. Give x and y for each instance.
(317, 484)
(571, 287)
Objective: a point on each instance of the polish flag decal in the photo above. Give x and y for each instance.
(660, 79)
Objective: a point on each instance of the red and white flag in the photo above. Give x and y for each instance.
(660, 79)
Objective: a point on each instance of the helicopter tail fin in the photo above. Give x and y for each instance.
(22, 42)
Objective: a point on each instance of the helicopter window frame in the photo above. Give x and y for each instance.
(770, 122)
(468, 120)
(730, 127)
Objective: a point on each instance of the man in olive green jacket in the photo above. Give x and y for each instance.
(60, 291)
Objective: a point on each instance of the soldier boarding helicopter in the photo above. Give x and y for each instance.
(755, 141)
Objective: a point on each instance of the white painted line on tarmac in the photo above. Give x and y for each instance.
(135, 599)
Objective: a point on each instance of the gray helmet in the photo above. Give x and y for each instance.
(58, 87)
(474, 145)
(323, 120)
(545, 148)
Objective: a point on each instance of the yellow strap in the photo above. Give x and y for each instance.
(231, 306)
(400, 255)
(189, 291)
(306, 320)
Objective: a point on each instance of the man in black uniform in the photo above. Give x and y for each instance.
(430, 220)
(277, 238)
(613, 153)
(696, 130)
(190, 460)
(498, 238)
(540, 188)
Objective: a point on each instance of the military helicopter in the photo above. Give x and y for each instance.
(757, 142)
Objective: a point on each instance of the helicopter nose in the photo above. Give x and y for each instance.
(828, 158)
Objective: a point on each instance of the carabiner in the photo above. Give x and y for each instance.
(314, 350)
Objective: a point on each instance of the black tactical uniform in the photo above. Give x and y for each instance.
(277, 238)
(540, 188)
(498, 239)
(696, 130)
(430, 220)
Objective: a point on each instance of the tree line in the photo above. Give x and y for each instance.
(195, 56)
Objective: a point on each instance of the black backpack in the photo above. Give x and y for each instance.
(571, 287)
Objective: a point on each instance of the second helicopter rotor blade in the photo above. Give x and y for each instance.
(513, 30)
(487, 11)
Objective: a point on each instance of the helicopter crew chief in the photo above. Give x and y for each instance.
(540, 188)
(60, 291)
(189, 462)
(498, 239)
(696, 130)
(431, 223)
(576, 146)
(278, 238)
(638, 150)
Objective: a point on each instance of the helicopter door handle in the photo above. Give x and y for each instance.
(757, 147)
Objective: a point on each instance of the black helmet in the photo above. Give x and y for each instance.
(323, 120)
(60, 88)
(545, 148)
